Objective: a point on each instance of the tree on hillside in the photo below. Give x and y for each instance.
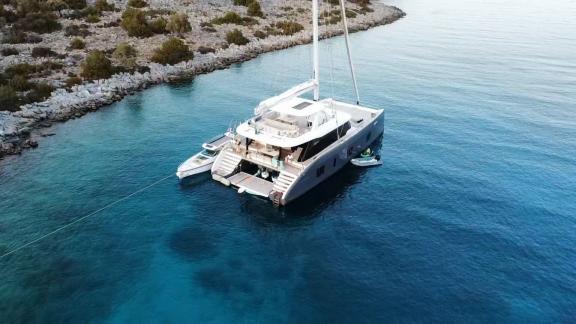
(134, 22)
(172, 51)
(126, 55)
(255, 10)
(96, 66)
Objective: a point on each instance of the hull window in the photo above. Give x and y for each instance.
(334, 163)
(320, 171)
(368, 136)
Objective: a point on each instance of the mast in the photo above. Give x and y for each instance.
(316, 63)
(345, 26)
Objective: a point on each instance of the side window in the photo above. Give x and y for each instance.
(320, 171)
(368, 136)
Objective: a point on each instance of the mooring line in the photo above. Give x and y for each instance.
(82, 218)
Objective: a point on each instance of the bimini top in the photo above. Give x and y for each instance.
(293, 122)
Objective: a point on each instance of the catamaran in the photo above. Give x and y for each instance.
(292, 144)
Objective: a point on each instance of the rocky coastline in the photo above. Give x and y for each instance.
(19, 130)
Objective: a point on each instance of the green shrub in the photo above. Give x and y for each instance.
(9, 99)
(43, 52)
(39, 92)
(92, 19)
(178, 24)
(75, 30)
(96, 66)
(362, 3)
(158, 25)
(77, 43)
(90, 11)
(289, 27)
(76, 4)
(14, 37)
(255, 10)
(234, 18)
(134, 22)
(19, 83)
(260, 34)
(9, 51)
(236, 37)
(126, 55)
(244, 3)
(350, 14)
(39, 22)
(158, 12)
(137, 3)
(103, 5)
(72, 81)
(172, 51)
(24, 7)
(23, 69)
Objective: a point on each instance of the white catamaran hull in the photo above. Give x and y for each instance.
(334, 159)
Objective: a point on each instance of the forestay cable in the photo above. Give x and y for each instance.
(82, 218)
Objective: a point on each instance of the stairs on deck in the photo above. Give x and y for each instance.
(284, 181)
(228, 163)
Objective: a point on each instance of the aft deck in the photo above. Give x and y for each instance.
(252, 184)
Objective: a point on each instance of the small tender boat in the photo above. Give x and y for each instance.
(202, 161)
(367, 158)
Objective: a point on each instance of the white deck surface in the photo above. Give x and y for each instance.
(251, 183)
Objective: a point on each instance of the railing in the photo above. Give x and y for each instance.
(278, 165)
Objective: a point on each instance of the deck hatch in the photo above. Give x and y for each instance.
(302, 105)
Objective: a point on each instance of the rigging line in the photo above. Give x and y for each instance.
(82, 218)
(332, 83)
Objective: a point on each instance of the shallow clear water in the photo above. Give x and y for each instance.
(471, 217)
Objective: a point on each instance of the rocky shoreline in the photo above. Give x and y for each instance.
(19, 130)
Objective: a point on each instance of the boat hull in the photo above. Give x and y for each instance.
(189, 168)
(330, 162)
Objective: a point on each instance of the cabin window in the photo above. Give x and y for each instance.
(334, 163)
(368, 136)
(316, 146)
(320, 171)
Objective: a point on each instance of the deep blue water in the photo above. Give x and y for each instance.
(472, 217)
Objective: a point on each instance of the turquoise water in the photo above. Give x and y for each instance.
(472, 217)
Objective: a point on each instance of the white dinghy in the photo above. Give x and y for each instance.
(202, 161)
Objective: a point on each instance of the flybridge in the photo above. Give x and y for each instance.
(293, 122)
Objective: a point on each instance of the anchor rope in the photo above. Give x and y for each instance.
(77, 220)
